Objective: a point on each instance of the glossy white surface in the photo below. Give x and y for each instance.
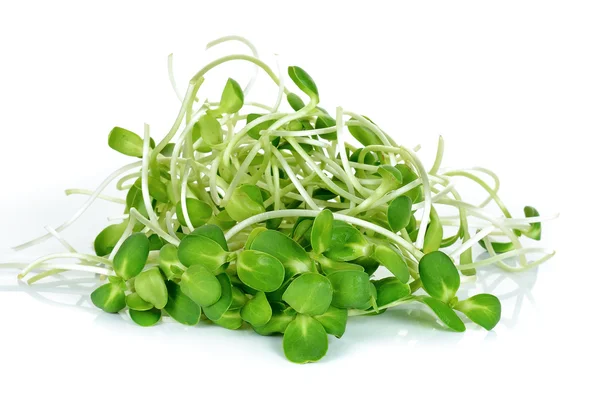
(512, 87)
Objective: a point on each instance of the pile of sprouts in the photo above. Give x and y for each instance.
(287, 219)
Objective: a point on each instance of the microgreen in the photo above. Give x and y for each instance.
(198, 249)
(232, 98)
(245, 201)
(260, 270)
(334, 321)
(393, 261)
(198, 212)
(399, 213)
(309, 293)
(257, 310)
(390, 290)
(145, 318)
(131, 256)
(215, 311)
(482, 309)
(321, 233)
(304, 82)
(150, 286)
(180, 307)
(351, 289)
(305, 340)
(444, 313)
(347, 243)
(280, 220)
(295, 260)
(135, 302)
(109, 297)
(125, 142)
(108, 238)
(200, 285)
(439, 276)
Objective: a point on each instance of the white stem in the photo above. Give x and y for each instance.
(60, 239)
(80, 256)
(83, 208)
(87, 192)
(145, 167)
(471, 242)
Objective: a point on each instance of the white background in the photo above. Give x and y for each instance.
(512, 85)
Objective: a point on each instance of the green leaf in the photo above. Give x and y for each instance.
(238, 297)
(393, 261)
(309, 293)
(215, 311)
(434, 233)
(260, 270)
(151, 287)
(246, 201)
(369, 264)
(198, 211)
(499, 247)
(107, 239)
(200, 285)
(304, 82)
(295, 101)
(278, 323)
(295, 260)
(131, 256)
(324, 122)
(126, 142)
(135, 302)
(210, 130)
(364, 135)
(232, 98)
(350, 289)
(408, 176)
(535, 229)
(157, 189)
(253, 234)
(369, 157)
(169, 263)
(180, 307)
(156, 242)
(323, 194)
(444, 313)
(334, 321)
(322, 231)
(305, 340)
(213, 232)
(301, 232)
(230, 320)
(222, 220)
(198, 249)
(391, 177)
(135, 199)
(329, 266)
(390, 290)
(483, 309)
(109, 297)
(167, 151)
(257, 310)
(254, 132)
(347, 243)
(399, 213)
(145, 318)
(439, 276)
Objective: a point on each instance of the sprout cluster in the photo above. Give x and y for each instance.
(288, 221)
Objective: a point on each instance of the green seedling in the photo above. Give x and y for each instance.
(252, 214)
